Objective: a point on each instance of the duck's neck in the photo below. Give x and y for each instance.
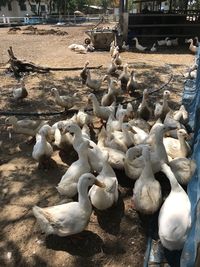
(43, 139)
(77, 135)
(83, 198)
(127, 134)
(144, 101)
(165, 102)
(85, 67)
(121, 119)
(132, 77)
(160, 148)
(57, 96)
(107, 170)
(136, 40)
(95, 104)
(83, 155)
(111, 88)
(14, 123)
(138, 130)
(183, 145)
(178, 115)
(101, 139)
(126, 70)
(88, 77)
(175, 186)
(147, 172)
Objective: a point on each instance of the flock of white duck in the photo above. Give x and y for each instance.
(194, 43)
(140, 143)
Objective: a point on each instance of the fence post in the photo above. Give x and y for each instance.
(8, 20)
(4, 19)
(26, 19)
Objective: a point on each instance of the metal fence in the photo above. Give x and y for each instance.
(53, 19)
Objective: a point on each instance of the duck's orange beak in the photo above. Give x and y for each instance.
(100, 184)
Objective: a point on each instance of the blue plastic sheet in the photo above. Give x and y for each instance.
(193, 106)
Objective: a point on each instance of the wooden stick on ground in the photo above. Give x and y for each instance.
(20, 66)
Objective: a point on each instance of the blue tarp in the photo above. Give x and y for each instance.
(191, 99)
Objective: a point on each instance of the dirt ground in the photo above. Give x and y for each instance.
(116, 237)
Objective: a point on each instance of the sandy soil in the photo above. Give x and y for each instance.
(116, 237)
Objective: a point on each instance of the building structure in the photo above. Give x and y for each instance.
(28, 8)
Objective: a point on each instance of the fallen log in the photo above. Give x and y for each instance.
(18, 67)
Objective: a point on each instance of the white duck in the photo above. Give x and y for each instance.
(42, 150)
(94, 84)
(104, 198)
(175, 124)
(95, 155)
(128, 110)
(70, 218)
(112, 48)
(110, 96)
(124, 77)
(181, 115)
(61, 139)
(183, 169)
(134, 162)
(162, 42)
(80, 49)
(132, 83)
(86, 132)
(142, 124)
(140, 135)
(139, 46)
(161, 110)
(83, 118)
(174, 42)
(125, 47)
(72, 46)
(116, 92)
(144, 111)
(68, 183)
(101, 111)
(117, 59)
(156, 142)
(83, 73)
(111, 70)
(25, 126)
(192, 47)
(147, 196)
(115, 51)
(121, 140)
(174, 219)
(177, 148)
(116, 157)
(114, 124)
(21, 92)
(73, 128)
(168, 43)
(66, 102)
(153, 48)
